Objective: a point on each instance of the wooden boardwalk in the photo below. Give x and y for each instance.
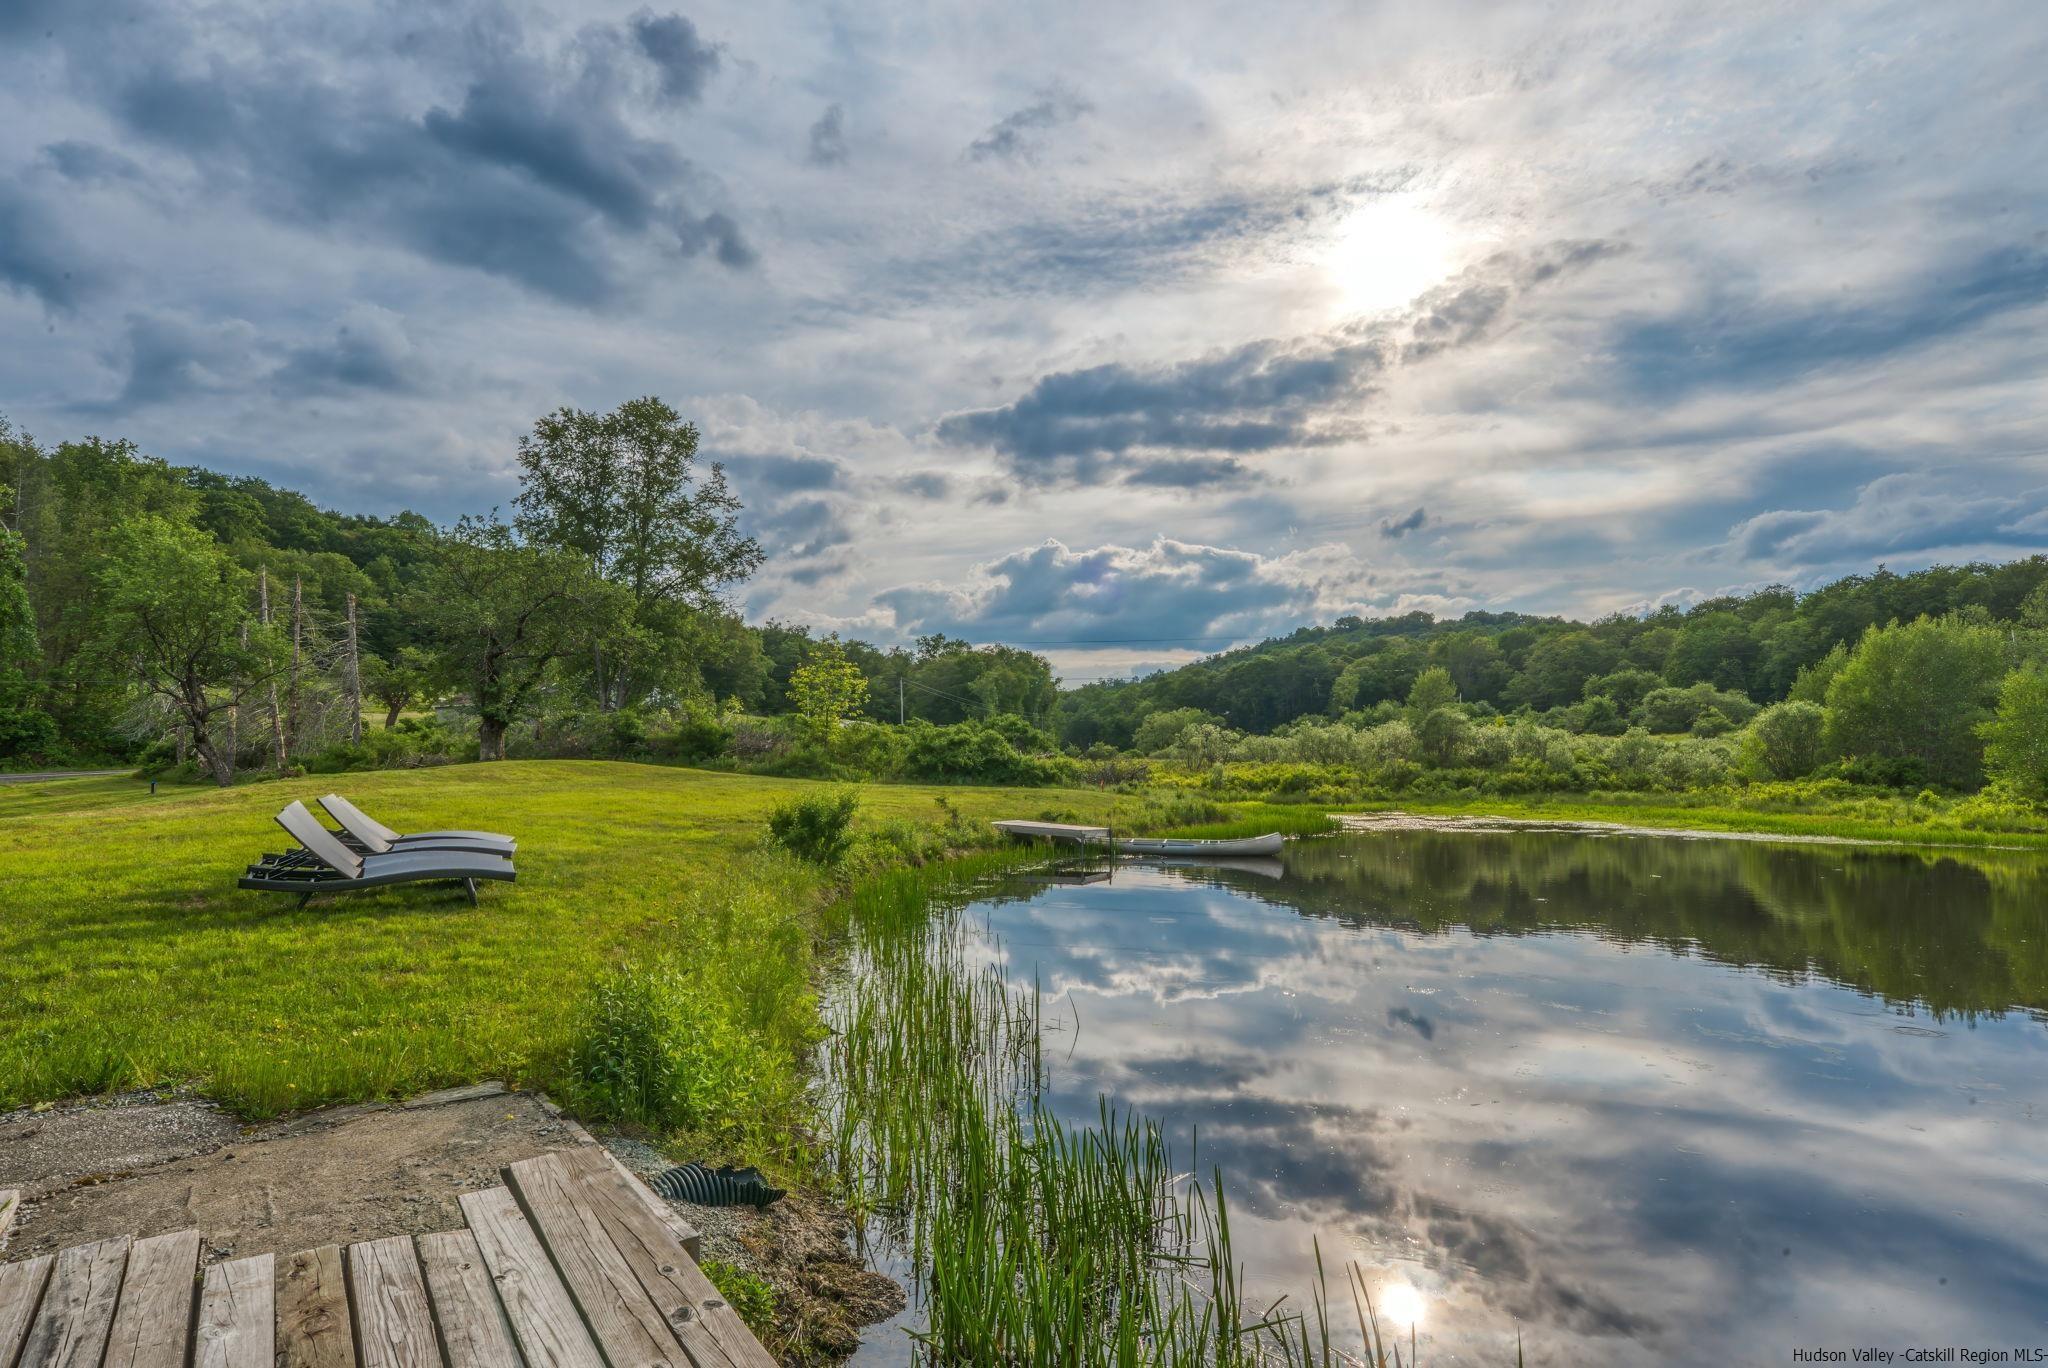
(573, 1263)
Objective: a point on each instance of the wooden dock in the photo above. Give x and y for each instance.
(572, 1264)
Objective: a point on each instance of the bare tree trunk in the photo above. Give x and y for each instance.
(354, 679)
(235, 717)
(276, 719)
(391, 716)
(298, 634)
(490, 736)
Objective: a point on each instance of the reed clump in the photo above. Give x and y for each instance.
(1032, 1240)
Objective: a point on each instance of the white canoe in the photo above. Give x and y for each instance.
(1269, 844)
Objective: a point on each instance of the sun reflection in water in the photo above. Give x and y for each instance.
(1402, 1304)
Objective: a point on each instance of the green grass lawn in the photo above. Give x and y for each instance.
(128, 957)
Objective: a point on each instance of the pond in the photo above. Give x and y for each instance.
(1638, 1099)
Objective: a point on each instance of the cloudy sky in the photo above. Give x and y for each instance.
(1148, 326)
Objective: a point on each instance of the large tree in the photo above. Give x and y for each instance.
(502, 613)
(1911, 698)
(175, 613)
(623, 490)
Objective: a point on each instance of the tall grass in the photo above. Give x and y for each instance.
(1032, 1240)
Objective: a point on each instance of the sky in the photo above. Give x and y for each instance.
(1123, 331)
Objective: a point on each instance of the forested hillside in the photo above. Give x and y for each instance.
(1732, 653)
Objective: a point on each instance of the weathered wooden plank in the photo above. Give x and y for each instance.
(394, 1325)
(313, 1329)
(711, 1330)
(70, 1330)
(682, 1229)
(544, 1319)
(10, 1207)
(624, 1320)
(21, 1292)
(153, 1322)
(238, 1315)
(474, 1331)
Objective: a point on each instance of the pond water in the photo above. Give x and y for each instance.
(1644, 1100)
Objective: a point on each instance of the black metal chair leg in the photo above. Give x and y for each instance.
(305, 898)
(470, 885)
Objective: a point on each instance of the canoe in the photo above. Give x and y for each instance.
(1052, 831)
(1269, 844)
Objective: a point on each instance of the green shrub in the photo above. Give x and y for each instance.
(659, 1047)
(818, 826)
(1786, 741)
(747, 1293)
(2016, 737)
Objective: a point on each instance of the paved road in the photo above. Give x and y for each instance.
(45, 776)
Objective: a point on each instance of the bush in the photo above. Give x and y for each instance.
(659, 1048)
(2016, 738)
(975, 751)
(817, 826)
(1158, 732)
(747, 1293)
(1786, 741)
(1672, 711)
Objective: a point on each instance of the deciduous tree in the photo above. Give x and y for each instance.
(175, 612)
(502, 613)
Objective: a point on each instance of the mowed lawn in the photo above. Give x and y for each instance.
(127, 955)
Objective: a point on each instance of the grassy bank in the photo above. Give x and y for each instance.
(1903, 818)
(127, 956)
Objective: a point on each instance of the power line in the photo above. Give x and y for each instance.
(1127, 641)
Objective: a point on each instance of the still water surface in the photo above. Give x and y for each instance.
(1647, 1100)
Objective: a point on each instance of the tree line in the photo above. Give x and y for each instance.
(152, 611)
(147, 606)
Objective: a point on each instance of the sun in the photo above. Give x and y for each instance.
(1385, 252)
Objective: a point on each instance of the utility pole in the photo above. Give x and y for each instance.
(354, 679)
(276, 721)
(298, 633)
(899, 700)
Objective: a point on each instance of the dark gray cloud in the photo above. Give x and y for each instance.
(774, 474)
(1895, 515)
(88, 163)
(168, 357)
(37, 257)
(1012, 138)
(532, 174)
(370, 352)
(828, 138)
(1170, 589)
(1083, 426)
(925, 484)
(686, 62)
(1742, 340)
(1401, 527)
(717, 233)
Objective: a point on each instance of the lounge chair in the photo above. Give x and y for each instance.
(372, 837)
(325, 865)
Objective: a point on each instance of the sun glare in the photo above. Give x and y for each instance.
(1387, 251)
(1403, 1305)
